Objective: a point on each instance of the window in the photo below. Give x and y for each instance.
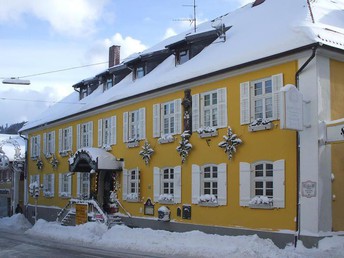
(139, 72)
(209, 110)
(49, 144)
(262, 183)
(65, 185)
(34, 179)
(209, 184)
(83, 93)
(134, 125)
(107, 85)
(167, 118)
(35, 146)
(183, 56)
(48, 185)
(85, 135)
(131, 185)
(259, 100)
(65, 140)
(107, 132)
(83, 185)
(167, 184)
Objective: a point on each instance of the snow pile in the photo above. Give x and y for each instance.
(191, 244)
(16, 222)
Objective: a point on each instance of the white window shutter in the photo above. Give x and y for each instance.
(60, 183)
(45, 144)
(78, 184)
(31, 147)
(277, 83)
(52, 180)
(195, 112)
(78, 136)
(245, 103)
(156, 120)
(90, 134)
(45, 182)
(245, 183)
(196, 183)
(156, 181)
(69, 185)
(60, 140)
(177, 184)
(38, 145)
(142, 123)
(70, 138)
(125, 184)
(222, 107)
(137, 179)
(222, 184)
(100, 132)
(178, 116)
(125, 127)
(52, 146)
(113, 133)
(278, 183)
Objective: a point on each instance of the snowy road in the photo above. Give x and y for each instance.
(17, 244)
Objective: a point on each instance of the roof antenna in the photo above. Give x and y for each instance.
(193, 20)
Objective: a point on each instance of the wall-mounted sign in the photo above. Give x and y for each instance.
(309, 189)
(149, 207)
(335, 131)
(81, 213)
(291, 112)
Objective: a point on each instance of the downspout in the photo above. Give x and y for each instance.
(298, 209)
(25, 174)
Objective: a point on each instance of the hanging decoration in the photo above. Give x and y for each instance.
(54, 162)
(146, 152)
(230, 143)
(39, 163)
(184, 146)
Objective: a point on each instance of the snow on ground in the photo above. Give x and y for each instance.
(194, 243)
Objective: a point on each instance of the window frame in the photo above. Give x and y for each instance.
(139, 125)
(158, 181)
(83, 185)
(49, 144)
(107, 135)
(65, 185)
(130, 183)
(263, 97)
(65, 139)
(49, 185)
(35, 146)
(182, 56)
(85, 135)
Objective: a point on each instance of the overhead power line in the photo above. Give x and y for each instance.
(45, 101)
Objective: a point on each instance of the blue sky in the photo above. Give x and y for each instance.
(48, 35)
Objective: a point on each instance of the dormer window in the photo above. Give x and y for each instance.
(139, 72)
(108, 84)
(183, 56)
(83, 93)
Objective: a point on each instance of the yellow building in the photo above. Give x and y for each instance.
(196, 133)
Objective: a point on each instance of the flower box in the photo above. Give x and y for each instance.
(133, 144)
(259, 125)
(166, 139)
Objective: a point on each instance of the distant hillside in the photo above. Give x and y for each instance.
(12, 129)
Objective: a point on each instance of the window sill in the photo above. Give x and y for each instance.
(261, 206)
(35, 158)
(48, 196)
(64, 153)
(133, 200)
(261, 127)
(48, 155)
(166, 140)
(166, 202)
(207, 135)
(208, 204)
(133, 144)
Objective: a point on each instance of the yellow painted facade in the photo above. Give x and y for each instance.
(337, 112)
(267, 145)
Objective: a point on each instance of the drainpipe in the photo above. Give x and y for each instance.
(25, 175)
(298, 208)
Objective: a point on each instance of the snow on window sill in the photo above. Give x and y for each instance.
(133, 197)
(47, 155)
(207, 132)
(260, 125)
(48, 195)
(133, 200)
(64, 195)
(64, 153)
(133, 143)
(166, 199)
(107, 147)
(34, 157)
(261, 202)
(167, 138)
(208, 200)
(261, 206)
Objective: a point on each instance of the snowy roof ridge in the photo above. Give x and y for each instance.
(275, 27)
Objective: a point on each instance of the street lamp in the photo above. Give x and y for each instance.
(14, 80)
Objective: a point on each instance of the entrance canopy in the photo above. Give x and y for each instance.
(88, 159)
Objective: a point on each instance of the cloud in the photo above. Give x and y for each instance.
(169, 33)
(26, 104)
(75, 18)
(99, 51)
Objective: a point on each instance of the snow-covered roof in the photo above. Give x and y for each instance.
(9, 143)
(268, 29)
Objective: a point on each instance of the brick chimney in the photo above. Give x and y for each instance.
(114, 55)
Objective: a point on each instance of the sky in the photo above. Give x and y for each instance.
(40, 38)
(190, 244)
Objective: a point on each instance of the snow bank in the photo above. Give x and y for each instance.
(16, 223)
(191, 244)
